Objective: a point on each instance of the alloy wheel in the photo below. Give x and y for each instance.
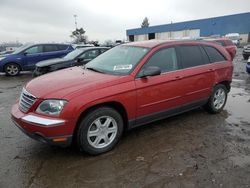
(102, 132)
(219, 98)
(12, 69)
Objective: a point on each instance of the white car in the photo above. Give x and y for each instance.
(235, 37)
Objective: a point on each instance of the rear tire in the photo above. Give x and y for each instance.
(12, 69)
(99, 131)
(217, 100)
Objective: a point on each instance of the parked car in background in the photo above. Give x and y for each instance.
(248, 66)
(77, 57)
(227, 44)
(246, 52)
(235, 37)
(127, 86)
(26, 57)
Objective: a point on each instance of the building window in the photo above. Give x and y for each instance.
(151, 36)
(131, 38)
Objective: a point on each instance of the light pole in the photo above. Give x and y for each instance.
(75, 16)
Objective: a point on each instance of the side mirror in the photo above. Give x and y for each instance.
(25, 53)
(83, 60)
(150, 71)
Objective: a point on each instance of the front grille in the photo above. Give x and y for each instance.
(26, 101)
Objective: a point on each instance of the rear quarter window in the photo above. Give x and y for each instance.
(213, 54)
(62, 47)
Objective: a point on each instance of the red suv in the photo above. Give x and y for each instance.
(130, 85)
(227, 44)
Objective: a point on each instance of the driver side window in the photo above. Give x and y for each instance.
(90, 54)
(34, 50)
(165, 59)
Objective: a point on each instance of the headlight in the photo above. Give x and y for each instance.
(51, 107)
(1, 58)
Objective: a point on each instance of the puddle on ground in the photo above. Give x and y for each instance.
(238, 126)
(238, 106)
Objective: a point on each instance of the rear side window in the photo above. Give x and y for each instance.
(191, 56)
(165, 59)
(214, 55)
(50, 48)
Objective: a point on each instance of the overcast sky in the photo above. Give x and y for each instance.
(52, 20)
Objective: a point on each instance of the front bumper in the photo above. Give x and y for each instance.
(47, 130)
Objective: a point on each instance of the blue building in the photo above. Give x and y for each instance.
(237, 23)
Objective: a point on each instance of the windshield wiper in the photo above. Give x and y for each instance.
(93, 69)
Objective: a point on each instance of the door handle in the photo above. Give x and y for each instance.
(209, 70)
(178, 78)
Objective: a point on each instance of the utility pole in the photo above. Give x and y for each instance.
(75, 16)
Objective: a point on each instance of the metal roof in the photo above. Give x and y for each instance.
(237, 23)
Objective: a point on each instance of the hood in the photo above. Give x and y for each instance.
(2, 55)
(48, 62)
(5, 55)
(11, 56)
(60, 84)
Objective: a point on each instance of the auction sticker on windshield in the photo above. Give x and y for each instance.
(123, 67)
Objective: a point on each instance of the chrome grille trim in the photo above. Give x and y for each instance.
(26, 100)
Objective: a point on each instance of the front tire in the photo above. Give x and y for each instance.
(99, 131)
(217, 100)
(12, 69)
(35, 74)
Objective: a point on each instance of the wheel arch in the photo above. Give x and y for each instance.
(227, 84)
(112, 104)
(14, 63)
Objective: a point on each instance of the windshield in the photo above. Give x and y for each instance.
(73, 54)
(119, 60)
(21, 48)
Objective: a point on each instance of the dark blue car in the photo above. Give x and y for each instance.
(248, 66)
(26, 57)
